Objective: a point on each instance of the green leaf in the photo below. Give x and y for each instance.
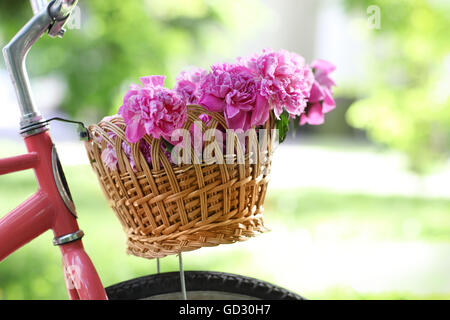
(167, 144)
(283, 126)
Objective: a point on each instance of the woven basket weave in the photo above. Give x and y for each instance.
(166, 208)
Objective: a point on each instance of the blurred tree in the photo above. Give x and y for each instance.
(118, 42)
(407, 103)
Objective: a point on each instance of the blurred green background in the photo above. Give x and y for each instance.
(359, 208)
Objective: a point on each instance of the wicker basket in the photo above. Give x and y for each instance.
(167, 209)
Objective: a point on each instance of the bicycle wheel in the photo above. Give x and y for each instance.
(200, 285)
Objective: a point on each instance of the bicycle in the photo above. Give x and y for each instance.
(52, 207)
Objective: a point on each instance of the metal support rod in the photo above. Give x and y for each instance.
(158, 269)
(182, 280)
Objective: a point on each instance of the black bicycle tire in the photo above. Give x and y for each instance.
(167, 283)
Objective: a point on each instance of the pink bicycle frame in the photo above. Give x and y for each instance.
(46, 210)
(51, 207)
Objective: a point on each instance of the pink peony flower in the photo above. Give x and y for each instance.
(152, 109)
(146, 151)
(109, 157)
(322, 70)
(188, 84)
(127, 150)
(313, 115)
(197, 135)
(234, 90)
(285, 80)
(205, 118)
(144, 147)
(321, 96)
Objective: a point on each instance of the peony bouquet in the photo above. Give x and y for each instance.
(245, 92)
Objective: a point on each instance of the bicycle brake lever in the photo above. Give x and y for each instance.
(83, 132)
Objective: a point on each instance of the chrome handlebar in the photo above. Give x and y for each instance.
(49, 17)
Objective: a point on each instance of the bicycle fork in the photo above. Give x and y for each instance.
(46, 210)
